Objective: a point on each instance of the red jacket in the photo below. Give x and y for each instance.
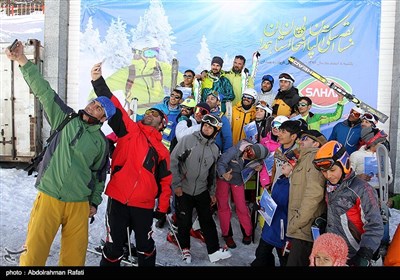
(140, 167)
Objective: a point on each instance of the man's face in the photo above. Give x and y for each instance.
(266, 86)
(285, 138)
(174, 98)
(354, 115)
(285, 85)
(199, 113)
(188, 79)
(152, 118)
(215, 68)
(186, 111)
(307, 142)
(95, 110)
(207, 129)
(212, 101)
(303, 107)
(247, 100)
(365, 123)
(238, 65)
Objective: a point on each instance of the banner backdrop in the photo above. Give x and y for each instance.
(337, 39)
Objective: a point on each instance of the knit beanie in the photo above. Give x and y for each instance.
(204, 105)
(107, 105)
(372, 136)
(218, 60)
(333, 245)
(268, 78)
(260, 151)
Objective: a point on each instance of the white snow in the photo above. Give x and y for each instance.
(17, 193)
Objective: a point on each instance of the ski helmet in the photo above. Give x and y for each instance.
(263, 105)
(278, 121)
(286, 77)
(212, 120)
(251, 92)
(331, 153)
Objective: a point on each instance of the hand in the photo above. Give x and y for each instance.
(96, 71)
(213, 200)
(228, 175)
(17, 54)
(159, 215)
(178, 191)
(258, 168)
(362, 258)
(92, 211)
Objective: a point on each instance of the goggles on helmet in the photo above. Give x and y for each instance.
(324, 164)
(369, 117)
(212, 120)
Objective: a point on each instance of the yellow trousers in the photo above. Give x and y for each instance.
(47, 215)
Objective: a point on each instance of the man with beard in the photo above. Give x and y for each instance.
(215, 81)
(239, 78)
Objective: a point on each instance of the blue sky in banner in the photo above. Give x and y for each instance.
(338, 39)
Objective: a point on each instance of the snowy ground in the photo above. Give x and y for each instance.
(17, 194)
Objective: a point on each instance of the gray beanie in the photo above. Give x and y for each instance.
(260, 151)
(218, 60)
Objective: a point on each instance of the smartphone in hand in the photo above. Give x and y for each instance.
(13, 45)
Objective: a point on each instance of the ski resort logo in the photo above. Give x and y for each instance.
(321, 95)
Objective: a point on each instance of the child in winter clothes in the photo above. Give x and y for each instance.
(329, 249)
(274, 235)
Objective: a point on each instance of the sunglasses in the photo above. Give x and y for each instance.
(211, 120)
(201, 111)
(187, 76)
(355, 114)
(186, 108)
(248, 97)
(152, 112)
(276, 124)
(324, 164)
(175, 96)
(303, 104)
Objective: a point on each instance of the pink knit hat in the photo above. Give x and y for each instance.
(333, 245)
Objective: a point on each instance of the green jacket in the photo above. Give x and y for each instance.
(236, 82)
(73, 168)
(315, 121)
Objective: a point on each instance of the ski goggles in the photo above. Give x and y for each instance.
(202, 111)
(152, 112)
(369, 117)
(355, 113)
(324, 164)
(276, 124)
(211, 120)
(150, 53)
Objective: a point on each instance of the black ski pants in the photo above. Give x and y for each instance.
(119, 217)
(184, 210)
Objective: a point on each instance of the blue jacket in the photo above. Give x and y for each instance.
(224, 137)
(349, 136)
(275, 234)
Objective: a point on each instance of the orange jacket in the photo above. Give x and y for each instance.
(393, 254)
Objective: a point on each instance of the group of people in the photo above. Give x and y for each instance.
(190, 155)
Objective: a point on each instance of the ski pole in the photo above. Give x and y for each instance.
(173, 232)
(129, 245)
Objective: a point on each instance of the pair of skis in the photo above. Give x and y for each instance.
(300, 65)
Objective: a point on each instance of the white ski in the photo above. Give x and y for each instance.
(382, 159)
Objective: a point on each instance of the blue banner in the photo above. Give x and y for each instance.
(337, 39)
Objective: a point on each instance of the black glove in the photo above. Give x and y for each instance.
(159, 215)
(362, 258)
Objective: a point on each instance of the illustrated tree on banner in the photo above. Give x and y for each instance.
(147, 74)
(91, 39)
(204, 56)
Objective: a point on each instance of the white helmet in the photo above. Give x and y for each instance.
(250, 91)
(279, 120)
(265, 107)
